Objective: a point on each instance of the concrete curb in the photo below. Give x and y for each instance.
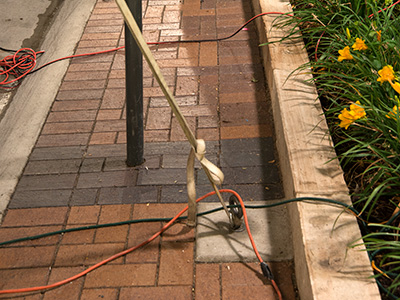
(216, 242)
(325, 267)
(25, 116)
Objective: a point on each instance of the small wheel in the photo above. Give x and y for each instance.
(235, 211)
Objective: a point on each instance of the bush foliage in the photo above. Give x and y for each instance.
(354, 51)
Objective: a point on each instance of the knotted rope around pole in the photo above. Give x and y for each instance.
(198, 150)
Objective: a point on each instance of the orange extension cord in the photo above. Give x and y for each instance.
(125, 252)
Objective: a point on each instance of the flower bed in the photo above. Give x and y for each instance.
(353, 48)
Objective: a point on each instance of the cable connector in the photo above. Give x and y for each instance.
(266, 271)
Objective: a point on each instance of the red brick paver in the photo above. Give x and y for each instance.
(77, 176)
(163, 267)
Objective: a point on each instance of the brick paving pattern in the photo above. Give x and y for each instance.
(77, 176)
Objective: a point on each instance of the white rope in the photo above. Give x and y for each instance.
(214, 174)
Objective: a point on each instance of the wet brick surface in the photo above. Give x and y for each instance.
(77, 173)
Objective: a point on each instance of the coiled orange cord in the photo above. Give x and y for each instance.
(17, 65)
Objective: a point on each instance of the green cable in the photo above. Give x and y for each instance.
(62, 231)
(28, 238)
(316, 199)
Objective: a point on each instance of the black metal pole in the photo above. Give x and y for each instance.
(134, 90)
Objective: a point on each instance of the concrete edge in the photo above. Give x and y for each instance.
(325, 267)
(25, 116)
(217, 242)
(4, 102)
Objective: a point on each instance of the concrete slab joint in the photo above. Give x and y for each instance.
(325, 267)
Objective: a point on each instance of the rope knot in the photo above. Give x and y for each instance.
(214, 174)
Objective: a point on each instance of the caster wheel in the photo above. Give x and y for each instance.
(236, 212)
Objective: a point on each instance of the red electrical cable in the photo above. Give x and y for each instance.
(379, 11)
(125, 252)
(79, 55)
(19, 65)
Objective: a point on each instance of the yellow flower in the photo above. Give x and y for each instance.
(379, 35)
(348, 33)
(395, 86)
(344, 54)
(359, 45)
(393, 113)
(347, 117)
(386, 74)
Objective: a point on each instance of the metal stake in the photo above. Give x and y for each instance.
(134, 90)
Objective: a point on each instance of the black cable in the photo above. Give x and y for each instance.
(7, 50)
(326, 200)
(316, 199)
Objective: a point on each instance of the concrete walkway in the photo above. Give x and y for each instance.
(76, 174)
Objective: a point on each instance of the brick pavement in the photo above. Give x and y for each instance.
(77, 176)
